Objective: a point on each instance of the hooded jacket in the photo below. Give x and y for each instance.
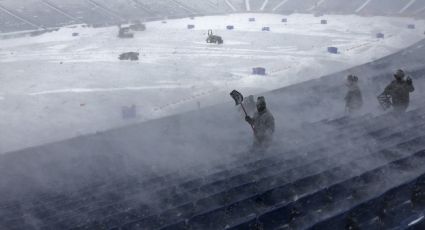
(353, 99)
(264, 127)
(399, 91)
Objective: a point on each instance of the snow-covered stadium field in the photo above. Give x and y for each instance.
(56, 86)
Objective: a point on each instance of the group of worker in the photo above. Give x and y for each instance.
(395, 95)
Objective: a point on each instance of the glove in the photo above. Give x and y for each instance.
(248, 119)
(409, 81)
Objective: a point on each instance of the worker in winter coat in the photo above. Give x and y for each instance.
(263, 125)
(399, 91)
(353, 99)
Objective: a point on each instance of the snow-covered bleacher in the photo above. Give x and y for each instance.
(384, 7)
(325, 170)
(32, 14)
(8, 23)
(335, 6)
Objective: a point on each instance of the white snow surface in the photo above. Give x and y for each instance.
(56, 86)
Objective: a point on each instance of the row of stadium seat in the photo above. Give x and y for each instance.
(36, 14)
(203, 199)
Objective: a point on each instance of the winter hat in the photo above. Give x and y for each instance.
(399, 74)
(352, 78)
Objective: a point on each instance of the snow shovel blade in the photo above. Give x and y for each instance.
(238, 97)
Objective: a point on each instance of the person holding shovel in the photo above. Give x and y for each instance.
(262, 123)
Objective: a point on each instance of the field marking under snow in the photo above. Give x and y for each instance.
(363, 6)
(406, 6)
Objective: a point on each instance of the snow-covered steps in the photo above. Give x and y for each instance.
(242, 199)
(399, 207)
